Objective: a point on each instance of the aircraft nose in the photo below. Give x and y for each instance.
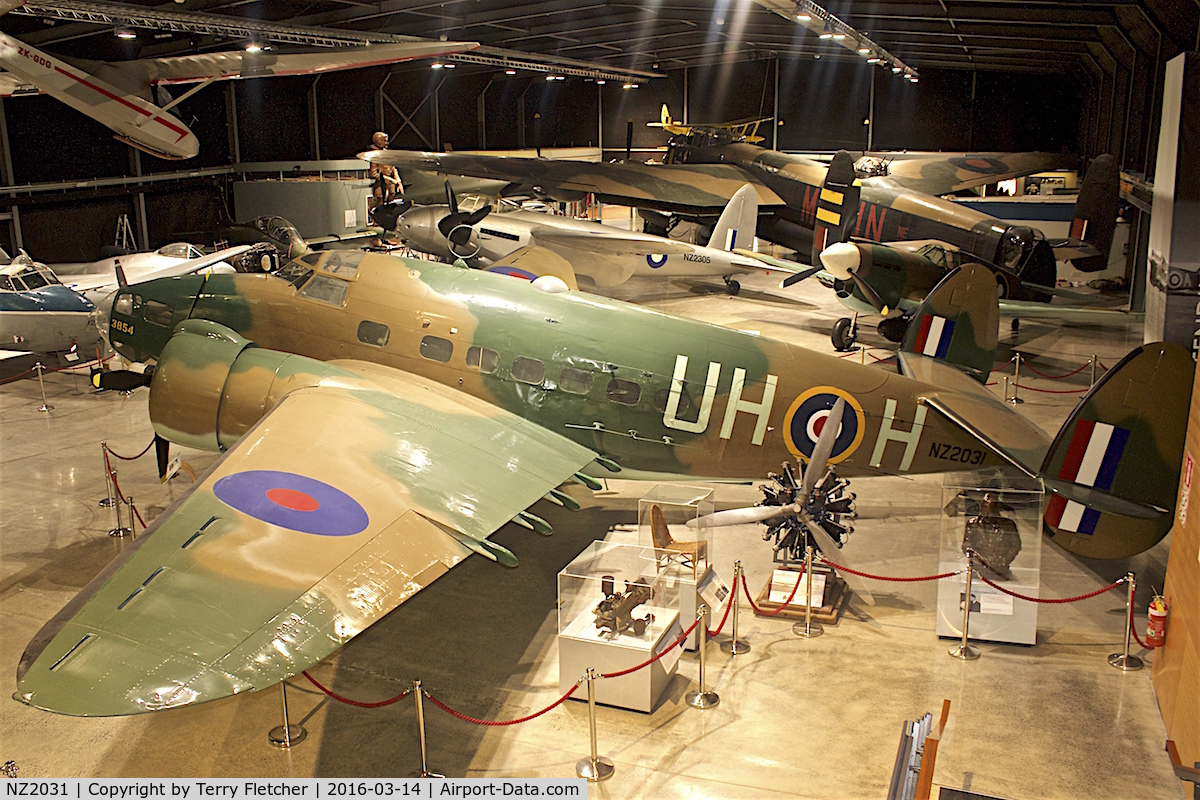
(102, 314)
(841, 259)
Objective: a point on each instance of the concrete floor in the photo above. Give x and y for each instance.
(813, 718)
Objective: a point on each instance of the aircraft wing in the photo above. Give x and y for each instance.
(944, 173)
(698, 188)
(241, 64)
(341, 503)
(89, 282)
(607, 239)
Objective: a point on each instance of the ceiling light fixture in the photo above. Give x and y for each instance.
(827, 33)
(510, 72)
(600, 81)
(804, 17)
(436, 65)
(829, 28)
(124, 32)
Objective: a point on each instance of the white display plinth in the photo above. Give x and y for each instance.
(618, 605)
(999, 515)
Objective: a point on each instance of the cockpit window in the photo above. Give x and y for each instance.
(342, 262)
(180, 250)
(294, 272)
(326, 290)
(6, 283)
(126, 304)
(311, 259)
(33, 279)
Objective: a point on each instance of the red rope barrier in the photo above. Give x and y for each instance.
(785, 604)
(357, 703)
(496, 723)
(132, 458)
(1039, 373)
(887, 578)
(112, 474)
(728, 606)
(656, 656)
(1019, 596)
(1052, 391)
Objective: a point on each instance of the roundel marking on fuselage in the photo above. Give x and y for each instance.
(656, 260)
(807, 415)
(292, 501)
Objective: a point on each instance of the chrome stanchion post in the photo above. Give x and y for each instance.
(1015, 400)
(809, 629)
(964, 651)
(424, 773)
(111, 499)
(1093, 370)
(1123, 661)
(1006, 388)
(735, 646)
(286, 734)
(44, 406)
(120, 530)
(702, 698)
(597, 768)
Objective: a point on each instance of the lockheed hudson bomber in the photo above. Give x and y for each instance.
(381, 417)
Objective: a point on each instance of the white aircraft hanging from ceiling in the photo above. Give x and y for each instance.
(119, 94)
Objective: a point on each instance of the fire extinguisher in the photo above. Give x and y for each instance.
(1156, 627)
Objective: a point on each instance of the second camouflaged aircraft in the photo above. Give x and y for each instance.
(381, 417)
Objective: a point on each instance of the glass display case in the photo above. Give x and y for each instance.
(617, 606)
(663, 514)
(998, 515)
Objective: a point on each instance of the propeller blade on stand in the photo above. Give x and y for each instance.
(822, 450)
(740, 516)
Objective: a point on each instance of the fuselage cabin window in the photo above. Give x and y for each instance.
(626, 393)
(373, 333)
(575, 381)
(435, 348)
(528, 370)
(482, 359)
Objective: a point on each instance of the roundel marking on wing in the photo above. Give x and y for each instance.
(981, 164)
(656, 260)
(513, 272)
(292, 501)
(807, 416)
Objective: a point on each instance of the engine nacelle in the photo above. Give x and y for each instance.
(212, 384)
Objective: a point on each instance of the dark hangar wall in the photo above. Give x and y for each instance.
(821, 103)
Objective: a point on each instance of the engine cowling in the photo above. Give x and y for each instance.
(212, 385)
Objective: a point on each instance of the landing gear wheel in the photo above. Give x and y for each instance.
(732, 286)
(843, 335)
(893, 328)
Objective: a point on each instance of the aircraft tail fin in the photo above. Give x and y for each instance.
(837, 207)
(1114, 465)
(735, 227)
(1095, 216)
(958, 321)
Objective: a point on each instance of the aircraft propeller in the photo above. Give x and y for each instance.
(817, 505)
(387, 215)
(841, 260)
(458, 226)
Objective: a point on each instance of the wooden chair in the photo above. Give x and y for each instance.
(665, 546)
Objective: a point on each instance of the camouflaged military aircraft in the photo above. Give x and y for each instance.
(380, 417)
(706, 164)
(604, 255)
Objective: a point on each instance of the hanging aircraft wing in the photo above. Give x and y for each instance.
(945, 173)
(697, 188)
(342, 502)
(243, 64)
